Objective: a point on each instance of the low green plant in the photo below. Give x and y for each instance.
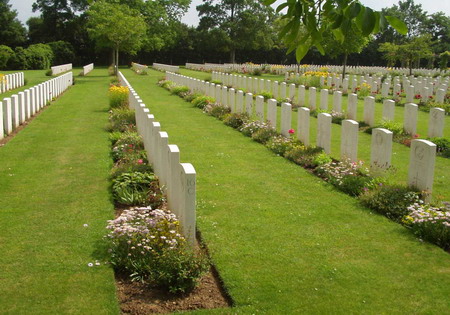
(121, 120)
(137, 188)
(236, 120)
(216, 82)
(443, 146)
(217, 110)
(303, 156)
(349, 177)
(266, 94)
(148, 245)
(189, 97)
(249, 127)
(430, 223)
(391, 201)
(129, 167)
(166, 84)
(179, 89)
(114, 136)
(81, 74)
(257, 72)
(279, 144)
(49, 73)
(143, 72)
(264, 134)
(321, 159)
(118, 96)
(202, 101)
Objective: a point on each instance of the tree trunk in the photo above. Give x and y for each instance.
(113, 57)
(345, 65)
(116, 68)
(232, 55)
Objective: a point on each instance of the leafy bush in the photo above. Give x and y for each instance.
(147, 244)
(443, 146)
(304, 156)
(217, 110)
(279, 144)
(390, 200)
(118, 96)
(178, 89)
(122, 119)
(63, 52)
(264, 134)
(347, 176)
(129, 153)
(19, 60)
(39, 56)
(6, 53)
(129, 167)
(363, 90)
(189, 96)
(49, 73)
(266, 94)
(250, 127)
(216, 82)
(236, 120)
(257, 72)
(202, 101)
(166, 84)
(137, 188)
(143, 72)
(430, 223)
(322, 159)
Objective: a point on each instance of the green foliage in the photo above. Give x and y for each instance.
(304, 156)
(335, 15)
(12, 32)
(266, 94)
(137, 188)
(18, 60)
(148, 245)
(445, 56)
(118, 96)
(279, 144)
(39, 56)
(122, 119)
(264, 134)
(129, 147)
(49, 73)
(5, 55)
(322, 159)
(443, 146)
(202, 101)
(63, 52)
(236, 120)
(395, 127)
(391, 201)
(178, 89)
(217, 110)
(257, 72)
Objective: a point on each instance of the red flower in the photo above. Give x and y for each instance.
(291, 131)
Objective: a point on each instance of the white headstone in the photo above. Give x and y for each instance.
(388, 109)
(337, 101)
(7, 116)
(410, 124)
(436, 122)
(381, 148)
(352, 106)
(349, 140)
(301, 95)
(272, 112)
(421, 165)
(232, 99)
(240, 101)
(369, 110)
(286, 119)
(303, 125)
(324, 132)
(260, 107)
(324, 99)
(312, 98)
(187, 216)
(249, 104)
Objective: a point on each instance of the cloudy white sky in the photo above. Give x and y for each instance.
(23, 8)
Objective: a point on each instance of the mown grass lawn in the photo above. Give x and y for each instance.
(53, 180)
(401, 153)
(286, 242)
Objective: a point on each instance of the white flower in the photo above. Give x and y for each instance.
(90, 264)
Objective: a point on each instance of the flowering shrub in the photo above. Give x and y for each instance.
(122, 119)
(236, 120)
(279, 144)
(217, 110)
(250, 127)
(166, 84)
(349, 177)
(390, 200)
(137, 188)
(118, 96)
(179, 89)
(430, 223)
(264, 134)
(148, 245)
(202, 101)
(363, 90)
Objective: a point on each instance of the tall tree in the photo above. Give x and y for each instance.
(319, 16)
(243, 24)
(116, 26)
(12, 32)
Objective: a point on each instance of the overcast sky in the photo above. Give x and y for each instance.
(23, 8)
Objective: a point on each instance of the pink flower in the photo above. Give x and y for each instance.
(140, 161)
(291, 131)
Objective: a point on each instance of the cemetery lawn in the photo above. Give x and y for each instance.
(283, 240)
(32, 78)
(53, 180)
(400, 156)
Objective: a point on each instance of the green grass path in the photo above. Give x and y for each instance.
(53, 180)
(284, 241)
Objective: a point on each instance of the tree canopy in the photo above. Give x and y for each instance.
(12, 32)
